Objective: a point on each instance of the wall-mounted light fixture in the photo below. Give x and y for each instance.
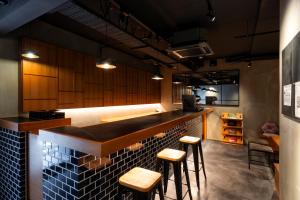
(30, 54)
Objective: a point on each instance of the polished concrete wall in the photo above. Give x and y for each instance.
(259, 90)
(9, 74)
(289, 129)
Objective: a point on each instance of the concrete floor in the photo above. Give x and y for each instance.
(228, 176)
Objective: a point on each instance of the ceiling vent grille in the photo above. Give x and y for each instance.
(196, 50)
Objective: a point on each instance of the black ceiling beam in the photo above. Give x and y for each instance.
(255, 26)
(245, 57)
(116, 26)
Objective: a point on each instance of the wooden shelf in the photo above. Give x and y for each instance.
(237, 119)
(235, 135)
(224, 126)
(231, 142)
(232, 134)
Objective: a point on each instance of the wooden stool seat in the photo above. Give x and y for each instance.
(190, 140)
(171, 154)
(140, 179)
(196, 144)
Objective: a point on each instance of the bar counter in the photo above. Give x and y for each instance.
(104, 139)
(86, 162)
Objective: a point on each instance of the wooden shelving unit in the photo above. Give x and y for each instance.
(232, 128)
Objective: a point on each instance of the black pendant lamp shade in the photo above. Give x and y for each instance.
(157, 76)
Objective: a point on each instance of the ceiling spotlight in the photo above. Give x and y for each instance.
(30, 54)
(211, 13)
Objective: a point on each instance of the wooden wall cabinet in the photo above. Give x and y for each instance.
(63, 78)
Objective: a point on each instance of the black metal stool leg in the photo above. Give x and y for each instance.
(158, 165)
(166, 175)
(141, 195)
(120, 192)
(202, 159)
(196, 163)
(249, 155)
(186, 171)
(178, 181)
(160, 191)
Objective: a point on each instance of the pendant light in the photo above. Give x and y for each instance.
(107, 62)
(176, 80)
(30, 54)
(157, 76)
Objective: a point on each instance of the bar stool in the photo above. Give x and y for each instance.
(195, 142)
(141, 182)
(175, 157)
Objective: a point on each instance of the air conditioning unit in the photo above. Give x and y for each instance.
(195, 50)
(190, 43)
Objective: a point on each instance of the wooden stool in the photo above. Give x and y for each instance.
(176, 157)
(141, 182)
(196, 144)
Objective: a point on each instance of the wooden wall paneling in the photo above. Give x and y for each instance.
(39, 87)
(120, 86)
(66, 71)
(148, 87)
(92, 83)
(157, 92)
(109, 85)
(46, 65)
(142, 87)
(132, 85)
(39, 77)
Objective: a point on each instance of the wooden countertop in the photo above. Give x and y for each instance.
(103, 139)
(31, 125)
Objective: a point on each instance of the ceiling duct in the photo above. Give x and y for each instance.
(190, 43)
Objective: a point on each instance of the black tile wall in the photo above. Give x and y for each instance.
(12, 164)
(69, 174)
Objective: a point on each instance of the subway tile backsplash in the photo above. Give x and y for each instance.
(12, 164)
(70, 174)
